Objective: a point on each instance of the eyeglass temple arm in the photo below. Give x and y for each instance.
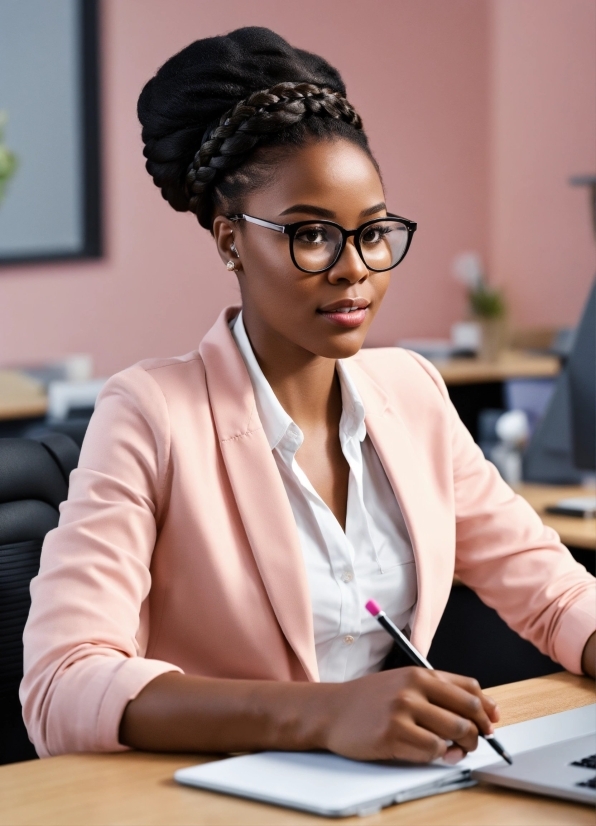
(259, 221)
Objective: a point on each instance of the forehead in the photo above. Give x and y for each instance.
(334, 174)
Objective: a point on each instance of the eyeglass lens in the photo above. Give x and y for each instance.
(316, 246)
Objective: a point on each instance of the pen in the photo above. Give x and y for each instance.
(406, 646)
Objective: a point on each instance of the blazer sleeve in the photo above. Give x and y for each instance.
(515, 563)
(83, 642)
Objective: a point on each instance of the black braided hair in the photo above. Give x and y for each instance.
(211, 110)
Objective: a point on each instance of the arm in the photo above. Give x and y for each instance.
(516, 564)
(83, 638)
(405, 714)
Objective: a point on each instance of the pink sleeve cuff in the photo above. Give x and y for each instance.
(127, 683)
(575, 628)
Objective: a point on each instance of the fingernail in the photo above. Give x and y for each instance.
(454, 756)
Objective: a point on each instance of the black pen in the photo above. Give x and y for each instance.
(406, 646)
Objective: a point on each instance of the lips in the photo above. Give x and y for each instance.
(344, 305)
(347, 312)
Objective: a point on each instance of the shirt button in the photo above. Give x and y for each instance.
(348, 639)
(347, 576)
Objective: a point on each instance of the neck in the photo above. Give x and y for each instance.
(305, 384)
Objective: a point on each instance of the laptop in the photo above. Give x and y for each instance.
(566, 769)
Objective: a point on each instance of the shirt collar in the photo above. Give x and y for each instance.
(276, 422)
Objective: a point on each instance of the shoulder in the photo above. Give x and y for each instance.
(395, 369)
(156, 377)
(136, 407)
(152, 392)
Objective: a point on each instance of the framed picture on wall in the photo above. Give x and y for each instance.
(50, 204)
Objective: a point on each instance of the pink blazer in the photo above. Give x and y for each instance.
(177, 548)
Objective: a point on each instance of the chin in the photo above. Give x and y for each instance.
(340, 345)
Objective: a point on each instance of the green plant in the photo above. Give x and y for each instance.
(8, 159)
(487, 302)
(484, 301)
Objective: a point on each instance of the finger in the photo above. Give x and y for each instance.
(492, 709)
(415, 744)
(447, 694)
(473, 686)
(462, 731)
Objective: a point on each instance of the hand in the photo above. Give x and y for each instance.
(409, 714)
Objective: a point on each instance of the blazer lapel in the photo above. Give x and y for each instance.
(259, 492)
(399, 458)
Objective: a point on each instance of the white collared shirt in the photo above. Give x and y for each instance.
(372, 559)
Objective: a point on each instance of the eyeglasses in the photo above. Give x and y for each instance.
(315, 246)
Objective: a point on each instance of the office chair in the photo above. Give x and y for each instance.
(33, 481)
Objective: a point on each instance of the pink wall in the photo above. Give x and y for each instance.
(416, 71)
(543, 129)
(419, 73)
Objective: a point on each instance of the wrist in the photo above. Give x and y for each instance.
(299, 715)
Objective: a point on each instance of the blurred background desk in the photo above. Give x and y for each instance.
(21, 397)
(476, 385)
(512, 364)
(575, 532)
(138, 788)
(33, 405)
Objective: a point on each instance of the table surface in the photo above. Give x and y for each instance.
(136, 788)
(21, 397)
(574, 532)
(512, 364)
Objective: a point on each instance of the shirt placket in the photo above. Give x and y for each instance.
(341, 554)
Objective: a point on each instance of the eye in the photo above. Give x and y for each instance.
(375, 234)
(312, 235)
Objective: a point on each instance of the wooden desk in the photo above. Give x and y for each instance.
(512, 364)
(21, 397)
(575, 532)
(134, 788)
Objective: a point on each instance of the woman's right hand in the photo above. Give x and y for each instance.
(408, 714)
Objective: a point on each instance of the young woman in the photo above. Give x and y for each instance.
(235, 508)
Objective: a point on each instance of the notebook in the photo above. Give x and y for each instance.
(332, 786)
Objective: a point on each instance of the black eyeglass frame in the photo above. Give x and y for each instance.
(291, 229)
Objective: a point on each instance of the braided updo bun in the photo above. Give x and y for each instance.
(213, 105)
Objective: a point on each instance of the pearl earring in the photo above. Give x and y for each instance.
(230, 265)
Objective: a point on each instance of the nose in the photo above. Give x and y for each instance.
(349, 267)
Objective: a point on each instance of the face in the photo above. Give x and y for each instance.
(288, 310)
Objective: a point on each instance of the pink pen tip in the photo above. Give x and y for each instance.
(373, 607)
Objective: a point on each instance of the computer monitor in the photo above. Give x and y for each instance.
(563, 444)
(581, 368)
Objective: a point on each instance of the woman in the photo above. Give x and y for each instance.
(234, 508)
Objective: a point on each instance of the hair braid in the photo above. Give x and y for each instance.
(263, 113)
(272, 95)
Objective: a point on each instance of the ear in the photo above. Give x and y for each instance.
(224, 233)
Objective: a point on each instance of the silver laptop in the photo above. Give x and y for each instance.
(566, 769)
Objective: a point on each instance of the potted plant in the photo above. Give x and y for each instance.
(486, 305)
(8, 159)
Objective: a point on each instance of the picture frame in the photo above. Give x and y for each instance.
(50, 93)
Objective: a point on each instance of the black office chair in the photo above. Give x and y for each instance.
(33, 482)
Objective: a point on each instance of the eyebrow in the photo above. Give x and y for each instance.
(321, 212)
